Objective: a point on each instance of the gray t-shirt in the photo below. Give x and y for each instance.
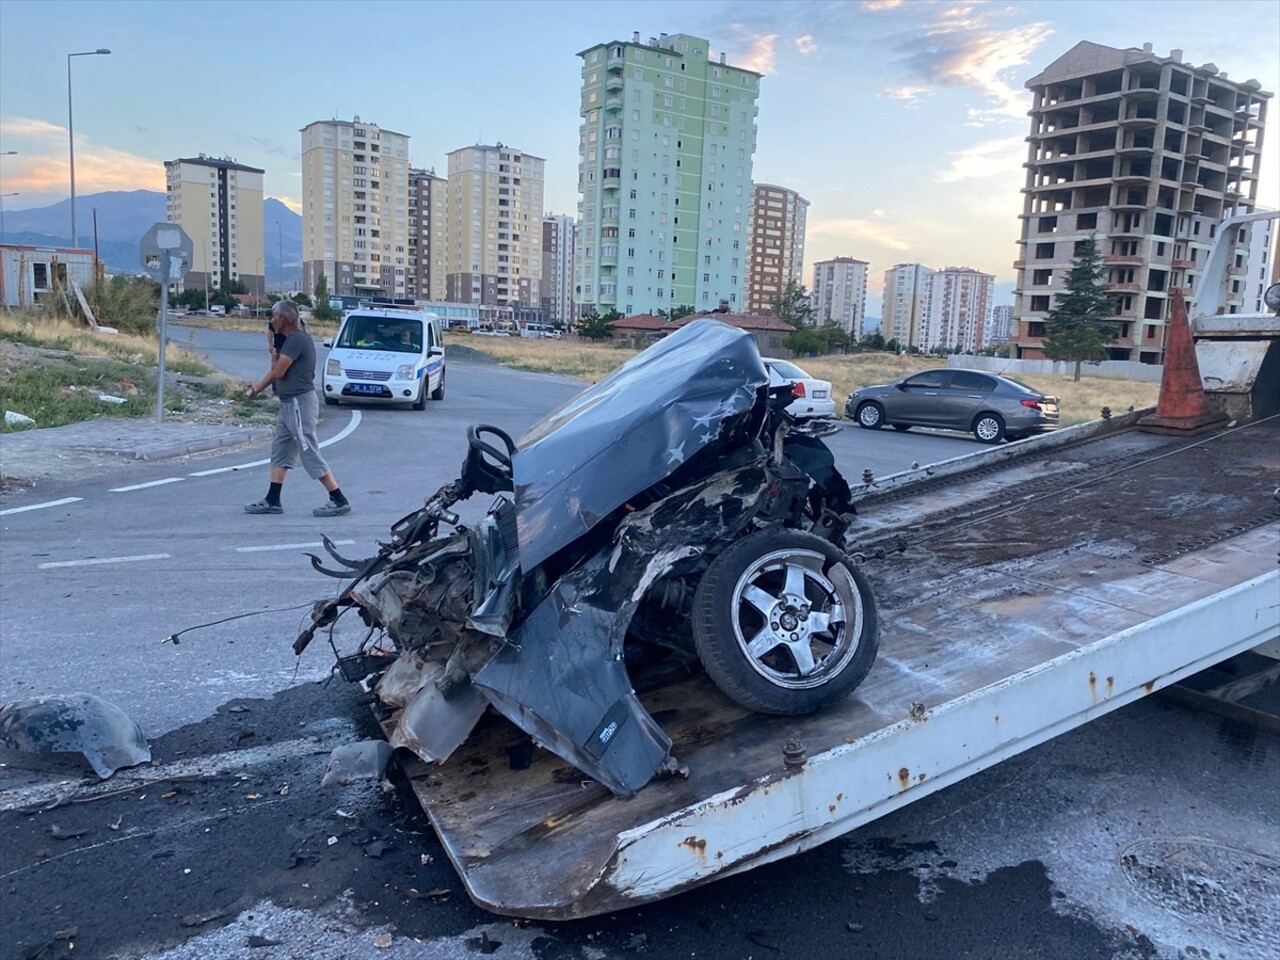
(300, 378)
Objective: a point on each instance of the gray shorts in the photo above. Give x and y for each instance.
(295, 437)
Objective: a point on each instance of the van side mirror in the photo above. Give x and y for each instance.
(437, 351)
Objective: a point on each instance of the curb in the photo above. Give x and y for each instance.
(200, 446)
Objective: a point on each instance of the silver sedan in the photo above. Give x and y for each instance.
(991, 407)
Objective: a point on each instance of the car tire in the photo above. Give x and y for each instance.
(420, 403)
(827, 624)
(330, 402)
(438, 392)
(902, 427)
(870, 415)
(988, 427)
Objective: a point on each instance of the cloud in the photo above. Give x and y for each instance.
(271, 146)
(877, 6)
(806, 44)
(854, 228)
(26, 127)
(754, 51)
(1001, 158)
(42, 165)
(961, 46)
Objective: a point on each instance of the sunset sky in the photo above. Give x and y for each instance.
(901, 121)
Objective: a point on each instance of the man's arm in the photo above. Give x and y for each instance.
(278, 369)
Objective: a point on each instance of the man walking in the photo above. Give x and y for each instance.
(293, 372)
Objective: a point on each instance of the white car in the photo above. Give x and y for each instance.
(386, 356)
(813, 397)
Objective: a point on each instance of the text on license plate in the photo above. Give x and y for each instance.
(366, 388)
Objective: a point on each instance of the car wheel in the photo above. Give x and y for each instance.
(420, 403)
(870, 415)
(902, 427)
(438, 392)
(785, 623)
(330, 402)
(989, 427)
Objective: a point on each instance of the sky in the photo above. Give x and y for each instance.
(901, 121)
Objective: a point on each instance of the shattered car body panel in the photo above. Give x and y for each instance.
(107, 737)
(632, 488)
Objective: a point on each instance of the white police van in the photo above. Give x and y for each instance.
(386, 355)
(536, 331)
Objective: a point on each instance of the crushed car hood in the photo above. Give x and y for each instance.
(629, 431)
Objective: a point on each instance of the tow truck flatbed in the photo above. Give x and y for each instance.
(1039, 586)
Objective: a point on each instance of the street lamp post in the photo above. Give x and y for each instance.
(71, 138)
(2, 196)
(280, 254)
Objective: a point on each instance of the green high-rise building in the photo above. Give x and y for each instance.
(664, 176)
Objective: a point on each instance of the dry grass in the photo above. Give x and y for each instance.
(591, 361)
(571, 357)
(59, 333)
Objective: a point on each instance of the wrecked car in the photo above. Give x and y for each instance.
(666, 511)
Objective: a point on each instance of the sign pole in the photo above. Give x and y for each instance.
(164, 316)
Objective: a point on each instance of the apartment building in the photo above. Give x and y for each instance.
(664, 176)
(428, 210)
(1001, 326)
(218, 204)
(958, 310)
(776, 254)
(494, 228)
(355, 208)
(906, 297)
(1145, 154)
(557, 269)
(839, 294)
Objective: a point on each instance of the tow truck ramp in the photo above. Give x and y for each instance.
(1033, 592)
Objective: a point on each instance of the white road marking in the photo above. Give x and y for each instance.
(341, 435)
(143, 486)
(40, 506)
(97, 560)
(239, 466)
(291, 546)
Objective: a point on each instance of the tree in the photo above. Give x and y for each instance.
(322, 310)
(680, 312)
(301, 299)
(1078, 328)
(595, 327)
(806, 340)
(792, 305)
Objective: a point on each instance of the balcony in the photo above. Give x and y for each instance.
(614, 83)
(613, 103)
(1126, 287)
(1142, 93)
(1135, 151)
(1122, 258)
(1138, 122)
(1182, 264)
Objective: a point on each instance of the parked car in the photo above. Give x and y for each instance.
(813, 396)
(991, 407)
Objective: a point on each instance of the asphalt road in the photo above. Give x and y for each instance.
(228, 843)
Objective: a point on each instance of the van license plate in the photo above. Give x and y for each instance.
(371, 388)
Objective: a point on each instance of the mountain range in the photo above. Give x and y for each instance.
(123, 216)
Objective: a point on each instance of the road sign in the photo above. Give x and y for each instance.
(166, 241)
(166, 256)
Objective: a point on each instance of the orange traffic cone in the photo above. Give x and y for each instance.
(1182, 407)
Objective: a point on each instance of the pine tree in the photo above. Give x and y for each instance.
(1078, 328)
